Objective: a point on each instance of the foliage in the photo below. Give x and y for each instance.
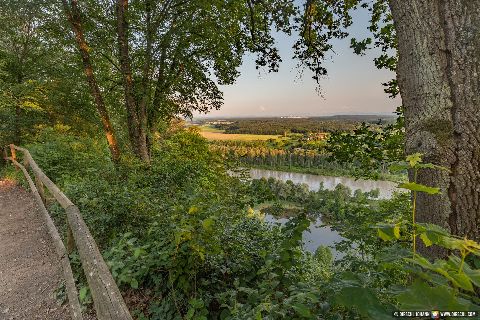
(281, 126)
(38, 88)
(375, 271)
(182, 230)
(153, 58)
(309, 153)
(371, 147)
(180, 226)
(448, 283)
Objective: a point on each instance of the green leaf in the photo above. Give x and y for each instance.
(449, 270)
(462, 280)
(426, 240)
(388, 232)
(192, 210)
(134, 283)
(431, 234)
(392, 253)
(207, 224)
(419, 187)
(414, 159)
(137, 252)
(420, 296)
(383, 235)
(82, 294)
(302, 310)
(364, 300)
(431, 166)
(450, 242)
(421, 261)
(429, 227)
(399, 166)
(396, 231)
(474, 275)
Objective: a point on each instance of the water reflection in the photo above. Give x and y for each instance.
(317, 234)
(386, 188)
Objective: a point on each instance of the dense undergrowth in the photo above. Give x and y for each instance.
(182, 234)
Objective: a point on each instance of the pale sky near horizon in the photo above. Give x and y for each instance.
(353, 84)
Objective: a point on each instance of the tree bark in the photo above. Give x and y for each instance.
(136, 114)
(73, 15)
(438, 76)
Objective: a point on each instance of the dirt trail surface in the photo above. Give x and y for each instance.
(30, 270)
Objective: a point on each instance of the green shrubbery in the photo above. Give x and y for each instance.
(179, 227)
(180, 232)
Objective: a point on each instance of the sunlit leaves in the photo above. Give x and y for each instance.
(426, 240)
(433, 234)
(208, 224)
(388, 232)
(419, 187)
(371, 147)
(414, 159)
(193, 210)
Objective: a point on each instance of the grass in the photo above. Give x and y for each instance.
(211, 133)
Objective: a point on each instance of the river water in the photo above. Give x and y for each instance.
(313, 181)
(322, 235)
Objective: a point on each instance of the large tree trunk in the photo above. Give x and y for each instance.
(73, 16)
(439, 77)
(136, 114)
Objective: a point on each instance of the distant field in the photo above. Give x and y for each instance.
(236, 136)
(212, 133)
(280, 126)
(207, 128)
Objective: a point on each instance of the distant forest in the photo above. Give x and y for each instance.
(279, 126)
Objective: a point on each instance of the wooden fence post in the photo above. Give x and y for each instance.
(14, 154)
(70, 239)
(70, 287)
(40, 188)
(107, 299)
(26, 164)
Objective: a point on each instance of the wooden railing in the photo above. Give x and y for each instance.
(108, 301)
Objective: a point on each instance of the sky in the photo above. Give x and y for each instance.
(353, 84)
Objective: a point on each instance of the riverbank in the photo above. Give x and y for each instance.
(314, 182)
(330, 172)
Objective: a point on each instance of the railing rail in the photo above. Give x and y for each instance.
(107, 299)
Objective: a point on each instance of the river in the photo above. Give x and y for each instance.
(313, 181)
(318, 235)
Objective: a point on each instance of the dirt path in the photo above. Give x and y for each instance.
(30, 271)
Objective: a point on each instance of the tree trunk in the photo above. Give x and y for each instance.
(438, 75)
(73, 16)
(17, 139)
(136, 114)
